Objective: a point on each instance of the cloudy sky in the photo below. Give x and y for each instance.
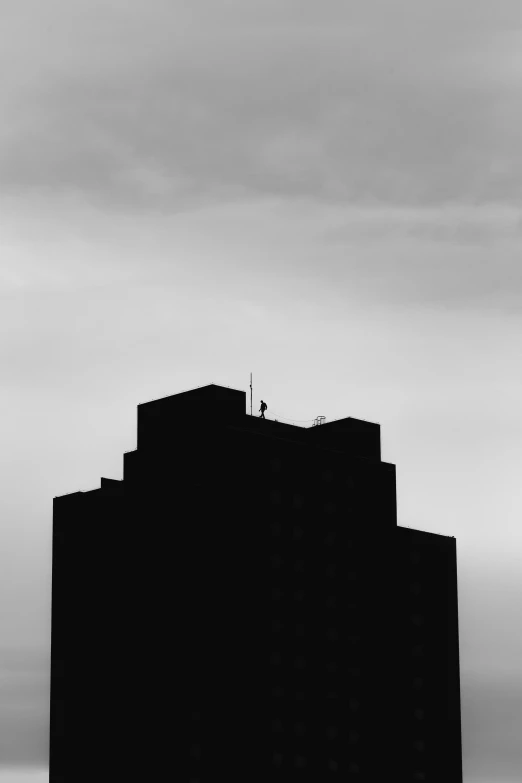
(325, 194)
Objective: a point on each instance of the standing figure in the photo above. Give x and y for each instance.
(263, 408)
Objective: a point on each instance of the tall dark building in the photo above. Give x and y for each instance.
(243, 606)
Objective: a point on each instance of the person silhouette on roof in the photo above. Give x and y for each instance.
(263, 408)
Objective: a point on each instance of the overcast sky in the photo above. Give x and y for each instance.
(325, 194)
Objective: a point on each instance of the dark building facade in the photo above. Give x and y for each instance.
(244, 606)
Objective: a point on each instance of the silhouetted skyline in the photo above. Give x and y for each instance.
(251, 574)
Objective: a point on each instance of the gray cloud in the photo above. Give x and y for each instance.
(24, 707)
(458, 225)
(163, 106)
(492, 725)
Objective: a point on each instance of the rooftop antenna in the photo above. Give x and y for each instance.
(250, 393)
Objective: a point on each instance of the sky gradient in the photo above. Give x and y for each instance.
(327, 195)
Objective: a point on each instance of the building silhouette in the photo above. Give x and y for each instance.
(243, 606)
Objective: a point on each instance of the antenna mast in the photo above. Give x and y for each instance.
(250, 393)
